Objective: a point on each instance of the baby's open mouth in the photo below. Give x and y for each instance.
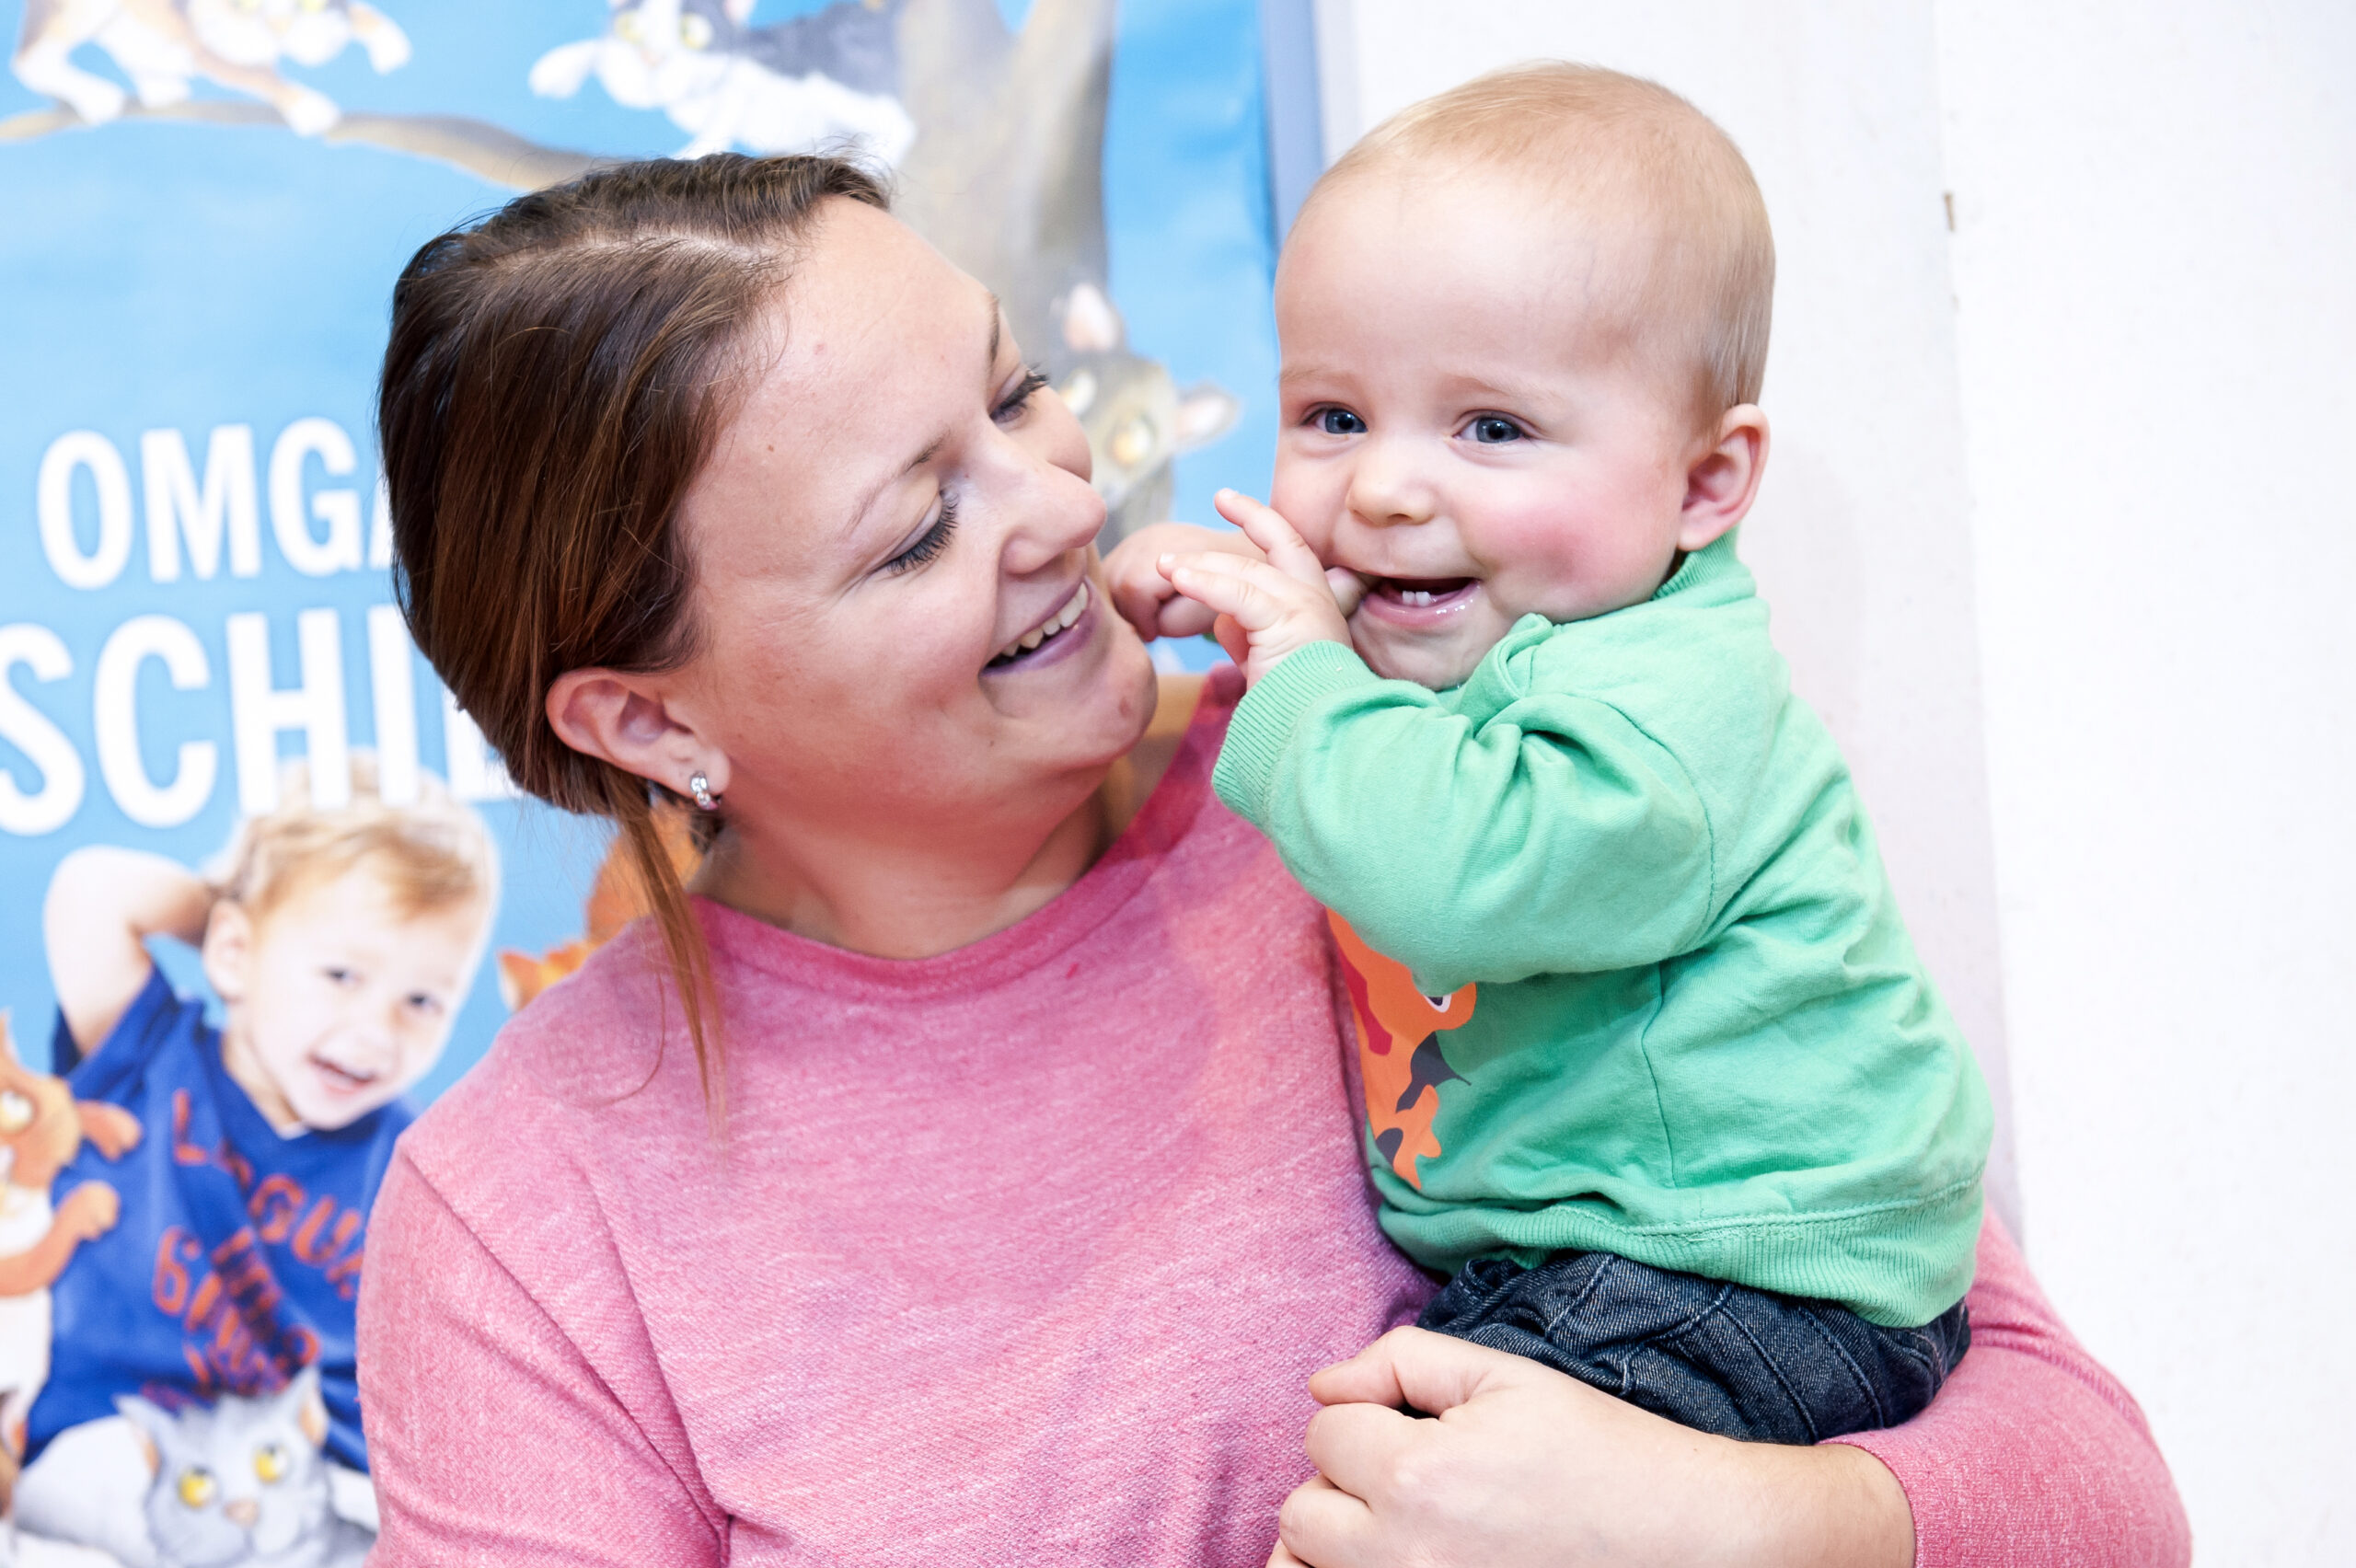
(337, 1077)
(1422, 592)
(1044, 634)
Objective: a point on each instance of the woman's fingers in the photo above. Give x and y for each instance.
(1180, 616)
(1265, 527)
(1416, 1368)
(1360, 1446)
(1143, 604)
(1321, 1526)
(1141, 594)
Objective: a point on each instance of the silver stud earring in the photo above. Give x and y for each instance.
(700, 787)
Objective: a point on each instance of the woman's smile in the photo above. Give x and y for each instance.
(1059, 634)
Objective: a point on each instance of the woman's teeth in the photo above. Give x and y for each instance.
(1061, 619)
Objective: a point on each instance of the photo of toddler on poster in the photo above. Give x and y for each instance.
(232, 981)
(202, 1350)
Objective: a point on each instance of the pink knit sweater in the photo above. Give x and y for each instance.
(1019, 1254)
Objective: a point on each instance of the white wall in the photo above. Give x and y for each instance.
(2155, 259)
(2092, 447)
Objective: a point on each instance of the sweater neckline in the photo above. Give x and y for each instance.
(1118, 874)
(1712, 561)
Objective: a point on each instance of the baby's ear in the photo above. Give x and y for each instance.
(1723, 480)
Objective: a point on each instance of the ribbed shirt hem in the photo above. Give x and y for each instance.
(1264, 722)
(1897, 1264)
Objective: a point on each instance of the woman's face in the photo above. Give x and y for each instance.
(897, 503)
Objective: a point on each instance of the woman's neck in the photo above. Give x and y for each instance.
(918, 896)
(903, 899)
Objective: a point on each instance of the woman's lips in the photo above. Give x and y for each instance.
(1418, 602)
(1058, 635)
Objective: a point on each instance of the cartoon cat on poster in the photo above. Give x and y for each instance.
(257, 880)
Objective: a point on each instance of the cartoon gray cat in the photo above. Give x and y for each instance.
(242, 1483)
(1136, 419)
(1007, 179)
(164, 45)
(822, 80)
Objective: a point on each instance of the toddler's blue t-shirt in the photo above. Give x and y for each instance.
(236, 1258)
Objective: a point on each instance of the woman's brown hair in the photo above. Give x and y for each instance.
(555, 380)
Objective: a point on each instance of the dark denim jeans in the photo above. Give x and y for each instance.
(1721, 1357)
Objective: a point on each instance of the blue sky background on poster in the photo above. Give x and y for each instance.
(194, 581)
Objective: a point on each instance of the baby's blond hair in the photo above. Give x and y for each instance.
(1662, 177)
(433, 854)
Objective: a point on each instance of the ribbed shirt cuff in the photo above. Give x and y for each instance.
(1264, 721)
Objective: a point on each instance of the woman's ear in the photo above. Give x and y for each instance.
(1722, 482)
(229, 950)
(625, 720)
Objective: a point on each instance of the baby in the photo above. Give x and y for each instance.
(1661, 1083)
(342, 941)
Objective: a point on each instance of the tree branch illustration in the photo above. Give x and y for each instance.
(481, 149)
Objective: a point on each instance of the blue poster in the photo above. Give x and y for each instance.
(223, 769)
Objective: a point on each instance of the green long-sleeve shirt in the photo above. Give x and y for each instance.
(1701, 1038)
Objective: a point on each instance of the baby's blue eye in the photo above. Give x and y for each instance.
(1340, 422)
(1490, 429)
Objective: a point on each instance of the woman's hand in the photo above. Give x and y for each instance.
(1526, 1466)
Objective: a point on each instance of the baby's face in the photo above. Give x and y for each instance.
(338, 1001)
(1457, 425)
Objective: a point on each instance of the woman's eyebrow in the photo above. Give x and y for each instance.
(933, 449)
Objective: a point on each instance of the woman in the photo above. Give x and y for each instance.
(965, 1174)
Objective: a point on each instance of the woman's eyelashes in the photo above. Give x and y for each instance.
(930, 543)
(1032, 383)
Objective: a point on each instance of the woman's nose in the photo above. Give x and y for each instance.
(1387, 486)
(1054, 511)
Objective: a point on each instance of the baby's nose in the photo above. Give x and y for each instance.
(242, 1513)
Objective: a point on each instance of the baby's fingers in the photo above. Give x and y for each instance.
(1348, 589)
(1265, 527)
(1255, 593)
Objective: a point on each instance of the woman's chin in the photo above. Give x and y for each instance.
(1095, 675)
(1097, 701)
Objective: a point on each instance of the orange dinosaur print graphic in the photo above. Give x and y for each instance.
(1399, 1053)
(614, 902)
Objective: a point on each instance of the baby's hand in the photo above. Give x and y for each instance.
(1143, 596)
(1265, 608)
